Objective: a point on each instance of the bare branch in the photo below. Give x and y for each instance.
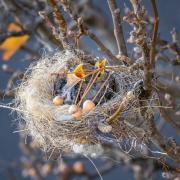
(147, 67)
(61, 22)
(170, 147)
(113, 59)
(118, 30)
(169, 120)
(155, 34)
(84, 31)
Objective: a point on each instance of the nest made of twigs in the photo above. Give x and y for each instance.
(51, 126)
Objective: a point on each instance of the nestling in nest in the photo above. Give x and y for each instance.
(75, 103)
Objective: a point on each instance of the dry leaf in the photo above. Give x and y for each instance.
(12, 44)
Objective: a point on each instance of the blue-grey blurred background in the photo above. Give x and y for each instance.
(169, 13)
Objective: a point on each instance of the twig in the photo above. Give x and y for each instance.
(155, 34)
(54, 36)
(9, 91)
(15, 76)
(149, 54)
(169, 120)
(61, 22)
(125, 101)
(167, 146)
(125, 59)
(113, 59)
(79, 90)
(89, 87)
(102, 86)
(118, 30)
(147, 67)
(139, 36)
(84, 31)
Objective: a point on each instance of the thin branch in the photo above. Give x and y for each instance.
(113, 59)
(155, 34)
(129, 97)
(9, 91)
(61, 23)
(51, 36)
(170, 147)
(84, 31)
(149, 53)
(169, 120)
(118, 30)
(139, 36)
(147, 67)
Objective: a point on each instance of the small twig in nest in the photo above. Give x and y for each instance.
(89, 87)
(102, 86)
(129, 96)
(79, 90)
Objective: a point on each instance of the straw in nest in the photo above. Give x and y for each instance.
(52, 126)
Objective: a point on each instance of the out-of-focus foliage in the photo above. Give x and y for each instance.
(12, 44)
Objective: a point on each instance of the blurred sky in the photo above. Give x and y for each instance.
(169, 13)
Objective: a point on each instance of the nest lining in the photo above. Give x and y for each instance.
(49, 126)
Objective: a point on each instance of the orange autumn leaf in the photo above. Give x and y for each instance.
(12, 44)
(101, 65)
(79, 71)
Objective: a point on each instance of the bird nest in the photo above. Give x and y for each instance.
(76, 103)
